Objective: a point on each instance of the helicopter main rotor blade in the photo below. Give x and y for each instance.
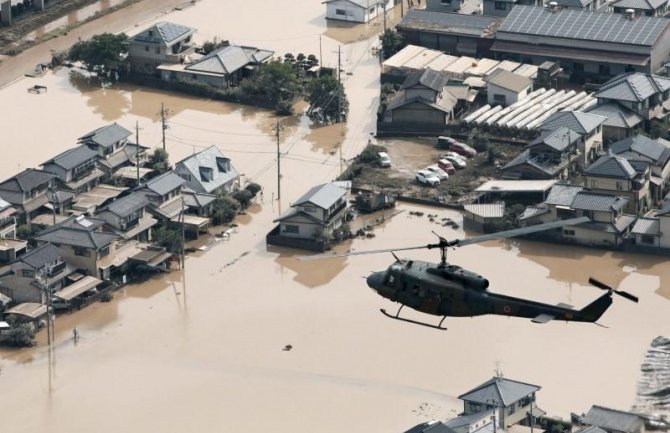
(521, 231)
(621, 293)
(357, 253)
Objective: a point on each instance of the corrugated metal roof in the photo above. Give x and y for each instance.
(442, 22)
(164, 183)
(106, 136)
(163, 33)
(646, 5)
(499, 392)
(634, 86)
(591, 201)
(611, 419)
(486, 210)
(222, 171)
(508, 80)
(71, 158)
(617, 115)
(647, 226)
(583, 25)
(26, 180)
(581, 123)
(432, 79)
(611, 166)
(323, 196)
(562, 194)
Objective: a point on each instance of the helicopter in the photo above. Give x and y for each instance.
(444, 289)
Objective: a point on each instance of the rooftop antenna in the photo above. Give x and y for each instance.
(498, 371)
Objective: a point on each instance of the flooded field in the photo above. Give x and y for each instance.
(201, 349)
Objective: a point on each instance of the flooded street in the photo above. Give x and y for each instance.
(201, 349)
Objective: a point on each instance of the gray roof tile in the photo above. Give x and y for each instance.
(508, 80)
(647, 5)
(562, 194)
(106, 136)
(584, 25)
(647, 226)
(227, 60)
(591, 201)
(440, 22)
(163, 33)
(40, 256)
(432, 79)
(26, 180)
(634, 86)
(612, 419)
(78, 232)
(558, 139)
(617, 115)
(164, 183)
(323, 196)
(222, 171)
(499, 392)
(125, 206)
(611, 166)
(431, 427)
(73, 157)
(657, 151)
(581, 123)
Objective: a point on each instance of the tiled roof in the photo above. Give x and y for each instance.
(647, 5)
(465, 420)
(444, 103)
(125, 206)
(431, 427)
(558, 139)
(441, 22)
(612, 419)
(227, 60)
(73, 157)
(40, 256)
(106, 136)
(562, 194)
(195, 199)
(164, 183)
(222, 171)
(432, 79)
(78, 232)
(647, 226)
(26, 180)
(573, 3)
(581, 123)
(634, 86)
(591, 201)
(657, 151)
(499, 392)
(611, 166)
(508, 80)
(163, 33)
(583, 25)
(533, 211)
(617, 115)
(323, 196)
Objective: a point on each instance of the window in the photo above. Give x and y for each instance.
(500, 6)
(647, 239)
(104, 251)
(594, 183)
(82, 252)
(636, 106)
(446, 2)
(500, 99)
(309, 209)
(619, 185)
(146, 48)
(568, 232)
(206, 174)
(372, 10)
(158, 50)
(290, 228)
(223, 164)
(340, 12)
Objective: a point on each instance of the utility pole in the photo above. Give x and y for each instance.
(320, 54)
(384, 12)
(183, 234)
(278, 128)
(339, 84)
(137, 154)
(163, 113)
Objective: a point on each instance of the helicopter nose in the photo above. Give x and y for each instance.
(375, 280)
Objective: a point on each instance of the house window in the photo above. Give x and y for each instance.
(372, 10)
(568, 232)
(290, 228)
(158, 50)
(146, 48)
(446, 2)
(594, 183)
(500, 6)
(619, 185)
(82, 252)
(104, 251)
(340, 12)
(223, 164)
(604, 69)
(310, 209)
(647, 239)
(636, 106)
(206, 174)
(499, 99)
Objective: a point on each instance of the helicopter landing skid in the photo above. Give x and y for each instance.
(416, 322)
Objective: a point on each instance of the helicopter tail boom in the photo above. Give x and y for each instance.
(593, 311)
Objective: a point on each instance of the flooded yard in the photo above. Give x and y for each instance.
(201, 349)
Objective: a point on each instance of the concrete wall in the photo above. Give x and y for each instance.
(510, 96)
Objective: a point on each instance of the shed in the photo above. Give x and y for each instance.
(477, 216)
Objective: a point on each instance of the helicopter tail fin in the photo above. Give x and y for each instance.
(593, 311)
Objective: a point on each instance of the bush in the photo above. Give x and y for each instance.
(253, 188)
(243, 196)
(225, 209)
(369, 154)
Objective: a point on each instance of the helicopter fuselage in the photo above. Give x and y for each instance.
(453, 291)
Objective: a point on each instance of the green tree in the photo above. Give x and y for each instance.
(103, 54)
(168, 237)
(20, 334)
(243, 197)
(225, 209)
(391, 41)
(253, 188)
(159, 160)
(214, 44)
(277, 82)
(324, 102)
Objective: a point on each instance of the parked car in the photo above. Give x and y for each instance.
(444, 142)
(437, 171)
(456, 160)
(446, 166)
(426, 177)
(383, 159)
(463, 149)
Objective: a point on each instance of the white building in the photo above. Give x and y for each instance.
(358, 11)
(505, 88)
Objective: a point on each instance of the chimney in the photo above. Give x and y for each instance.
(629, 14)
(553, 6)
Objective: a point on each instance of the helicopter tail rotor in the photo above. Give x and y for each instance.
(621, 293)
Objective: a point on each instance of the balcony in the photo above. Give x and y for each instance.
(336, 211)
(56, 269)
(130, 224)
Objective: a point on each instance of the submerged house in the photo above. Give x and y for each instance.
(358, 11)
(163, 42)
(312, 219)
(28, 192)
(75, 168)
(209, 172)
(113, 148)
(128, 218)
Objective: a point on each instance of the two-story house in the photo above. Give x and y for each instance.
(43, 268)
(113, 148)
(82, 243)
(610, 420)
(28, 192)
(547, 157)
(501, 8)
(619, 176)
(443, 5)
(75, 168)
(313, 217)
(480, 422)
(164, 195)
(505, 87)
(609, 225)
(163, 42)
(621, 121)
(656, 153)
(642, 93)
(649, 8)
(422, 100)
(588, 126)
(358, 11)
(128, 218)
(10, 246)
(514, 401)
(208, 171)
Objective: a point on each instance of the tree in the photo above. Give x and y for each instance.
(159, 160)
(391, 41)
(225, 209)
(212, 45)
(277, 82)
(253, 188)
(243, 197)
(322, 95)
(102, 54)
(169, 238)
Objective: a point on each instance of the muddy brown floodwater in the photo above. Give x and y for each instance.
(201, 350)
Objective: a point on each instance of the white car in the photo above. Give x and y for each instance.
(426, 177)
(456, 160)
(437, 171)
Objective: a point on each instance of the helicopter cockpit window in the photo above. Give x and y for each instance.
(390, 279)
